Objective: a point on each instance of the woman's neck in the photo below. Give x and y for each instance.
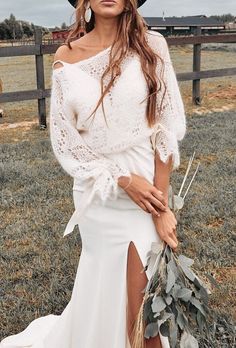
(104, 32)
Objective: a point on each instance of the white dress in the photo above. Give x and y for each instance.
(108, 219)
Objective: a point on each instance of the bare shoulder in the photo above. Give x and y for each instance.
(61, 54)
(79, 49)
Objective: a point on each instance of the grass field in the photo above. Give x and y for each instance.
(38, 266)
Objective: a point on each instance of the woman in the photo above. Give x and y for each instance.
(116, 117)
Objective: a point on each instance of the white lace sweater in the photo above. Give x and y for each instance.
(82, 147)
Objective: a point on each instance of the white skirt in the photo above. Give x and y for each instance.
(95, 316)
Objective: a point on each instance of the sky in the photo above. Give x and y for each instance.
(50, 13)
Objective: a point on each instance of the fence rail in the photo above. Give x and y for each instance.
(40, 48)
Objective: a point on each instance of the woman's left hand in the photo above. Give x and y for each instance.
(166, 227)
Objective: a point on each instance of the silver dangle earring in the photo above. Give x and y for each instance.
(82, 24)
(88, 12)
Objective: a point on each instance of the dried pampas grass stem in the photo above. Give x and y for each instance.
(138, 340)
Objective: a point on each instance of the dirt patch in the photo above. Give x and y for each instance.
(23, 124)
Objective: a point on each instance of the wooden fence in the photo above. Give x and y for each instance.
(39, 49)
(27, 42)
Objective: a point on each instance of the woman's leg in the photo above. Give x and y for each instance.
(136, 282)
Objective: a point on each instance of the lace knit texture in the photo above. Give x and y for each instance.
(81, 145)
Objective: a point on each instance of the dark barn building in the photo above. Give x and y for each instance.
(184, 25)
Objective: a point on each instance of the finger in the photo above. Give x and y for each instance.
(175, 231)
(152, 199)
(151, 209)
(175, 221)
(159, 195)
(143, 206)
(175, 249)
(173, 236)
(171, 243)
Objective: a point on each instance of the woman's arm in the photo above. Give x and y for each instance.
(74, 155)
(171, 121)
(144, 193)
(168, 131)
(98, 173)
(166, 223)
(162, 174)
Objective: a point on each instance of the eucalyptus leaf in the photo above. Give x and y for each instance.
(174, 310)
(184, 260)
(168, 252)
(178, 202)
(168, 299)
(197, 281)
(164, 317)
(184, 294)
(183, 316)
(189, 274)
(173, 266)
(170, 279)
(156, 315)
(158, 304)
(151, 330)
(193, 314)
(147, 310)
(151, 255)
(197, 294)
(174, 291)
(180, 320)
(200, 321)
(188, 341)
(156, 247)
(165, 329)
(204, 294)
(197, 304)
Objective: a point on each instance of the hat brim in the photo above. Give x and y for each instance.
(73, 2)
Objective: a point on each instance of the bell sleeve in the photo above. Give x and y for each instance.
(171, 124)
(98, 173)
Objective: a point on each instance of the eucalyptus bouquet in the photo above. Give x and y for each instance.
(175, 298)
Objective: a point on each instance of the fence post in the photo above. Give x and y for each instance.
(196, 98)
(40, 79)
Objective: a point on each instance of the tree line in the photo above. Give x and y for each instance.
(11, 28)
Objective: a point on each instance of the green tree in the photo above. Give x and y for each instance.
(63, 26)
(4, 31)
(27, 29)
(225, 18)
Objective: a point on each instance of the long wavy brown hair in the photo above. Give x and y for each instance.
(130, 35)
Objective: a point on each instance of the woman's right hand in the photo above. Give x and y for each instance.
(143, 193)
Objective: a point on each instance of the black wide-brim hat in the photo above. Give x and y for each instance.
(140, 2)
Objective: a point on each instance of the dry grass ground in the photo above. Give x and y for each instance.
(38, 266)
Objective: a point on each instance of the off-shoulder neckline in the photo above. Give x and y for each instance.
(80, 61)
